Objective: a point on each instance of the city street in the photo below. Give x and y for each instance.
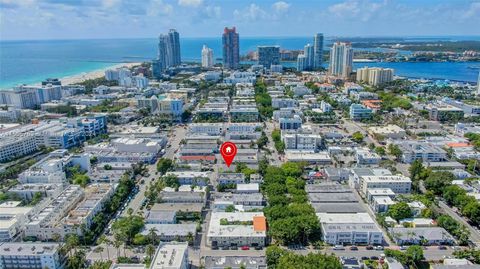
(176, 135)
(430, 253)
(474, 233)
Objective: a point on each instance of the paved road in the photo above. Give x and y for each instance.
(176, 135)
(474, 233)
(270, 126)
(431, 254)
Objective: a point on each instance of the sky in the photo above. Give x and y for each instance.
(80, 19)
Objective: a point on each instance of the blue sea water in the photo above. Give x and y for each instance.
(25, 62)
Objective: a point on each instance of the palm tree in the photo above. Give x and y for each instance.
(190, 238)
(117, 243)
(104, 240)
(152, 233)
(150, 251)
(100, 250)
(72, 242)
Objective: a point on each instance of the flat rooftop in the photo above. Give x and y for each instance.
(170, 255)
(27, 249)
(254, 224)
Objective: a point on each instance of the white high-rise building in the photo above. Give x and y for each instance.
(309, 53)
(301, 62)
(207, 56)
(341, 59)
(374, 75)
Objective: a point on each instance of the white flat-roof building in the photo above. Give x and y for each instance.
(381, 204)
(364, 156)
(388, 131)
(95, 197)
(173, 255)
(421, 150)
(238, 228)
(11, 147)
(136, 145)
(248, 188)
(12, 219)
(206, 128)
(371, 193)
(46, 222)
(192, 177)
(301, 141)
(349, 228)
(27, 191)
(398, 184)
(310, 157)
(230, 178)
(31, 255)
(357, 173)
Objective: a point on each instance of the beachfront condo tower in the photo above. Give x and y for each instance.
(207, 56)
(168, 52)
(268, 56)
(318, 50)
(341, 59)
(231, 48)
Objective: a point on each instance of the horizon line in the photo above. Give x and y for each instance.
(252, 36)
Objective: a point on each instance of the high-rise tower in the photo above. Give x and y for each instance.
(341, 59)
(231, 48)
(318, 50)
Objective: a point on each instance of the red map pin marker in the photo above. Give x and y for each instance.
(228, 151)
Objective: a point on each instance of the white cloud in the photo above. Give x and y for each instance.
(17, 3)
(158, 7)
(281, 6)
(473, 11)
(190, 3)
(110, 3)
(341, 9)
(213, 11)
(251, 13)
(355, 9)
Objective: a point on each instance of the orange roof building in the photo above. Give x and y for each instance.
(259, 224)
(457, 145)
(372, 104)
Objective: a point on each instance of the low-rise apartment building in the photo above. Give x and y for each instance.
(350, 228)
(31, 255)
(397, 183)
(237, 229)
(173, 255)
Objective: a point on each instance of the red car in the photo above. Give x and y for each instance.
(245, 248)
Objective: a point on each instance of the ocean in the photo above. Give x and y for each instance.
(26, 62)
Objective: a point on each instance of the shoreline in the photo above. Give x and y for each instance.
(78, 78)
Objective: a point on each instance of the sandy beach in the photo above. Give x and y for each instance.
(92, 74)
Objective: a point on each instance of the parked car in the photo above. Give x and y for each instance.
(234, 248)
(403, 248)
(369, 247)
(364, 258)
(338, 247)
(258, 248)
(353, 248)
(378, 247)
(245, 248)
(442, 247)
(374, 258)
